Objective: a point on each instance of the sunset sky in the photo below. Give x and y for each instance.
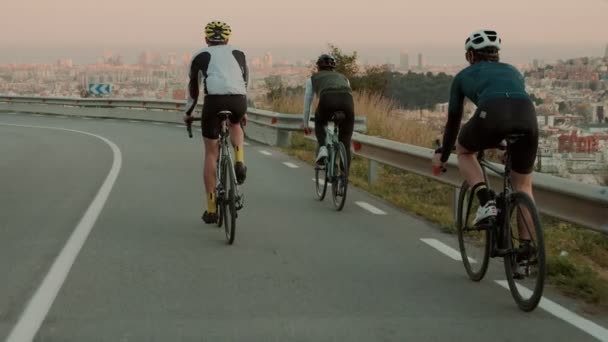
(31, 24)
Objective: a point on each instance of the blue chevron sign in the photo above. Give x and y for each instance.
(100, 88)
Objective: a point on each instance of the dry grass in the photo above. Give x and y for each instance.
(381, 117)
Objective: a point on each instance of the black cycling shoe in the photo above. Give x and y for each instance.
(241, 172)
(210, 218)
(524, 259)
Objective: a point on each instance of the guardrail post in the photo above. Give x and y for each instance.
(372, 172)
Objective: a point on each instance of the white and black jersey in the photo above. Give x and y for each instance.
(221, 70)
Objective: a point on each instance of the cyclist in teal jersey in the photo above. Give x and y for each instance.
(503, 107)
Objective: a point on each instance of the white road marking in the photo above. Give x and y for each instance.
(370, 208)
(266, 153)
(246, 143)
(564, 314)
(158, 123)
(133, 121)
(445, 249)
(291, 165)
(11, 113)
(61, 116)
(39, 305)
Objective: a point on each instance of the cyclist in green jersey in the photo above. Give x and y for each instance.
(503, 107)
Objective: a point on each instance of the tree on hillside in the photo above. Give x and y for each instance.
(345, 63)
(375, 79)
(274, 87)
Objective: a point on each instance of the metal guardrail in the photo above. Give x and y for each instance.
(567, 200)
(561, 198)
(267, 127)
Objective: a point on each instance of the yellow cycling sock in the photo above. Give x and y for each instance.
(239, 154)
(211, 203)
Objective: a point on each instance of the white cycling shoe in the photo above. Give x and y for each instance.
(322, 155)
(487, 211)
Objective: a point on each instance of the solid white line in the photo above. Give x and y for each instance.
(445, 249)
(39, 305)
(133, 121)
(158, 123)
(266, 153)
(11, 113)
(564, 314)
(246, 143)
(370, 208)
(291, 165)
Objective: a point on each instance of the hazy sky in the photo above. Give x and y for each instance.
(37, 24)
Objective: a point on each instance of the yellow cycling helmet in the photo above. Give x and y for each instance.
(217, 32)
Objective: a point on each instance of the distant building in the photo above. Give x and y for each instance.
(65, 63)
(600, 114)
(268, 60)
(172, 59)
(572, 143)
(186, 58)
(404, 60)
(145, 58)
(179, 94)
(420, 61)
(606, 52)
(535, 63)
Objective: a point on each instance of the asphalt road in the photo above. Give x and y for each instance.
(150, 270)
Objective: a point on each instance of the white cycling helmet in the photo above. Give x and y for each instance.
(482, 39)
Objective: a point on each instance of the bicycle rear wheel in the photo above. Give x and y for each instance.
(525, 263)
(340, 179)
(221, 195)
(474, 241)
(230, 203)
(321, 181)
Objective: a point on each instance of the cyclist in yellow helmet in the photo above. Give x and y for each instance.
(222, 72)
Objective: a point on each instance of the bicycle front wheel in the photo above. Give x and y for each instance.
(525, 261)
(474, 241)
(340, 179)
(321, 181)
(230, 204)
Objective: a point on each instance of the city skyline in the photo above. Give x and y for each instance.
(435, 28)
(434, 55)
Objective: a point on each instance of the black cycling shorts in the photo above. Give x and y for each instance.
(496, 119)
(214, 104)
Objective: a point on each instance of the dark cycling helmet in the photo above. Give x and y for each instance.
(326, 61)
(217, 32)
